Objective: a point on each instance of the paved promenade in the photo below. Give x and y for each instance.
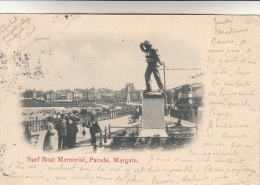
(84, 144)
(116, 122)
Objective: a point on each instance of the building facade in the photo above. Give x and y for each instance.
(94, 95)
(119, 95)
(106, 94)
(78, 95)
(136, 96)
(188, 94)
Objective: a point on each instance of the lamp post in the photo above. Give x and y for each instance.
(165, 96)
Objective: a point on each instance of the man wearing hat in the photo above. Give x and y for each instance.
(93, 129)
(152, 58)
(62, 132)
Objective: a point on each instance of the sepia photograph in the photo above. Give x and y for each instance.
(106, 86)
(129, 99)
(109, 88)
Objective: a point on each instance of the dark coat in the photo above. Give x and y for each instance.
(61, 127)
(72, 128)
(93, 127)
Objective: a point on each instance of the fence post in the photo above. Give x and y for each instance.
(36, 122)
(32, 122)
(105, 138)
(166, 128)
(31, 126)
(100, 139)
(109, 131)
(41, 126)
(137, 130)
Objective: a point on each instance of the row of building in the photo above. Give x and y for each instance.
(128, 94)
(184, 95)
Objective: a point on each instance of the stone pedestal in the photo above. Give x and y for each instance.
(153, 115)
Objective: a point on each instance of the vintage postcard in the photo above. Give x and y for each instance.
(129, 99)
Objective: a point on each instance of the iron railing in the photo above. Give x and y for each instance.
(133, 138)
(194, 116)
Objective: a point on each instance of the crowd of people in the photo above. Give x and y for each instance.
(67, 123)
(55, 112)
(67, 128)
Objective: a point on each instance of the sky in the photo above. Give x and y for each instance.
(103, 51)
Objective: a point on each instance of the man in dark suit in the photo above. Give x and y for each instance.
(72, 130)
(62, 132)
(153, 59)
(93, 129)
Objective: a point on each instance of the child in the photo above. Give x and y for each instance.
(84, 130)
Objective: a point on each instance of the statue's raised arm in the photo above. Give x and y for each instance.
(143, 47)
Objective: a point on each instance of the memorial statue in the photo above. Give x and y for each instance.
(154, 62)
